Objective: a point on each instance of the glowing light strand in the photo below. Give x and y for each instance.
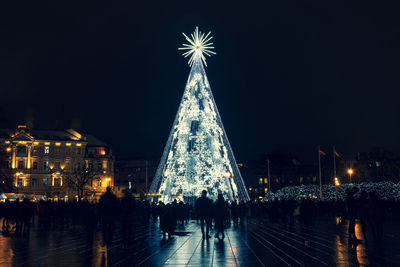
(198, 155)
(199, 45)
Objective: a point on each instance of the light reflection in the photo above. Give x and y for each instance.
(362, 256)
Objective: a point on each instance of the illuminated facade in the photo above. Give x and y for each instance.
(39, 159)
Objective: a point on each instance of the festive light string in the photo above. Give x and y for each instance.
(197, 155)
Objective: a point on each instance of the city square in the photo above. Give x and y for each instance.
(160, 134)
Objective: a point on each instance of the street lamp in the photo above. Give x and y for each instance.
(350, 172)
(337, 183)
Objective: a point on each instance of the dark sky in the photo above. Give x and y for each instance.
(288, 75)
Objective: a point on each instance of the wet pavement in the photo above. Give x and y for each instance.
(257, 243)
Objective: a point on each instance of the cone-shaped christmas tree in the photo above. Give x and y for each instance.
(198, 155)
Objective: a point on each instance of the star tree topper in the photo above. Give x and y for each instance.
(199, 45)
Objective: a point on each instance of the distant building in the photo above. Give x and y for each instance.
(135, 174)
(284, 170)
(38, 160)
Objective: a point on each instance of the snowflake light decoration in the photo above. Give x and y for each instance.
(199, 45)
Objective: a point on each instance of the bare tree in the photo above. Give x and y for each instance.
(80, 180)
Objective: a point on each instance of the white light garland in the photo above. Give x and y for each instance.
(198, 155)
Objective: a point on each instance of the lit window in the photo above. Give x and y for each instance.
(58, 144)
(260, 181)
(46, 143)
(265, 180)
(35, 143)
(100, 151)
(68, 144)
(46, 150)
(265, 190)
(250, 189)
(79, 144)
(256, 190)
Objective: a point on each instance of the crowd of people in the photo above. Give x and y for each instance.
(109, 213)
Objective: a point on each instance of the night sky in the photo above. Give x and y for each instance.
(288, 75)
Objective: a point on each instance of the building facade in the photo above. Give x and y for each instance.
(135, 174)
(40, 160)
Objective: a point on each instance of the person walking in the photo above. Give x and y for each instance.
(203, 208)
(128, 206)
(220, 212)
(108, 205)
(352, 212)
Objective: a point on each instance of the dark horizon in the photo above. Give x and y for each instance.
(287, 76)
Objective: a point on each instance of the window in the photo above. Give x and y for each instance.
(265, 180)
(265, 190)
(35, 165)
(260, 181)
(57, 165)
(46, 165)
(46, 150)
(100, 151)
(90, 166)
(20, 164)
(45, 182)
(99, 166)
(21, 149)
(78, 150)
(19, 183)
(34, 182)
(57, 150)
(57, 182)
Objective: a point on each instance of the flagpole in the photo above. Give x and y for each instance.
(319, 168)
(334, 162)
(334, 171)
(269, 178)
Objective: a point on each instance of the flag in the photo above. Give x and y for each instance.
(322, 153)
(336, 153)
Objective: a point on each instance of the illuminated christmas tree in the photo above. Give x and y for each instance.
(198, 155)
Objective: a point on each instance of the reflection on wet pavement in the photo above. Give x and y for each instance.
(257, 243)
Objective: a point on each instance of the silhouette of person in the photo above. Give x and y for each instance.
(352, 211)
(128, 205)
(220, 212)
(203, 208)
(108, 206)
